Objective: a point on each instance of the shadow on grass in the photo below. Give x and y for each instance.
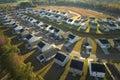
(35, 63)
(71, 77)
(8, 33)
(23, 49)
(15, 41)
(54, 73)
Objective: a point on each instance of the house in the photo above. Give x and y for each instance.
(84, 27)
(87, 47)
(70, 21)
(23, 34)
(64, 14)
(92, 19)
(51, 29)
(35, 12)
(77, 22)
(47, 55)
(61, 59)
(103, 43)
(72, 38)
(38, 23)
(93, 25)
(65, 19)
(58, 18)
(31, 20)
(97, 70)
(9, 22)
(45, 15)
(112, 26)
(43, 46)
(103, 27)
(46, 27)
(32, 41)
(58, 32)
(76, 67)
(116, 43)
(109, 19)
(41, 13)
(49, 11)
(50, 16)
(16, 28)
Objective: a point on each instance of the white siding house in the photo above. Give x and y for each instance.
(43, 46)
(47, 55)
(97, 70)
(76, 67)
(16, 28)
(61, 59)
(72, 38)
(32, 41)
(103, 43)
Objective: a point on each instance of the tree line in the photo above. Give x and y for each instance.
(13, 63)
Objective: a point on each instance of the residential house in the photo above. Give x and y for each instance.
(61, 59)
(47, 55)
(76, 67)
(97, 70)
(43, 46)
(103, 43)
(72, 38)
(70, 21)
(32, 41)
(23, 34)
(16, 28)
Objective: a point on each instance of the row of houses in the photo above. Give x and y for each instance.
(58, 16)
(60, 58)
(105, 44)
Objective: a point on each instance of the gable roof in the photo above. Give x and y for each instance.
(56, 30)
(60, 56)
(97, 67)
(41, 44)
(22, 30)
(29, 36)
(77, 64)
(104, 41)
(117, 41)
(71, 36)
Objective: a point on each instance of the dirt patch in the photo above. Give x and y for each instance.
(3, 40)
(81, 11)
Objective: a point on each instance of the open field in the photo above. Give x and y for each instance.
(81, 11)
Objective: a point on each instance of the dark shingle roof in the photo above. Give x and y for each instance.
(21, 30)
(56, 30)
(60, 57)
(104, 41)
(97, 67)
(71, 36)
(46, 25)
(70, 20)
(51, 28)
(29, 36)
(77, 64)
(41, 44)
(117, 41)
(15, 26)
